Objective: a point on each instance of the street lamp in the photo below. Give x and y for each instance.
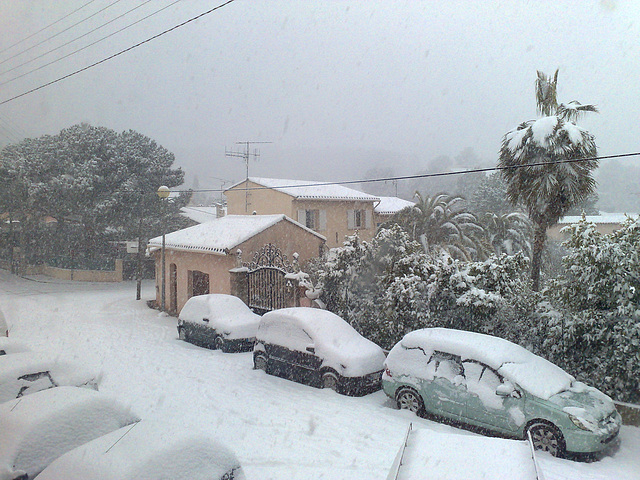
(163, 193)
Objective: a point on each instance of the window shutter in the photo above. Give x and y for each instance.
(322, 220)
(351, 219)
(367, 219)
(302, 217)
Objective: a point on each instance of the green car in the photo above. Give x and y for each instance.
(500, 387)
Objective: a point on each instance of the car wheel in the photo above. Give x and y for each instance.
(330, 380)
(260, 362)
(409, 400)
(182, 334)
(547, 438)
(218, 343)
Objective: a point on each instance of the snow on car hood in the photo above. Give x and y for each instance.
(57, 372)
(587, 403)
(351, 357)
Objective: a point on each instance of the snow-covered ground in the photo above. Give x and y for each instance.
(278, 429)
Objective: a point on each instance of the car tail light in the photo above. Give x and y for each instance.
(387, 372)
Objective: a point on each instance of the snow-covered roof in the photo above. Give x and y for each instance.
(436, 455)
(222, 234)
(310, 190)
(614, 218)
(201, 214)
(391, 205)
(533, 373)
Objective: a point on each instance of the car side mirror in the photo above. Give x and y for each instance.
(507, 389)
(311, 349)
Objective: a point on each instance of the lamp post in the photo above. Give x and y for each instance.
(163, 193)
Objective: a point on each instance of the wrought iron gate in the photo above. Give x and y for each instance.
(267, 288)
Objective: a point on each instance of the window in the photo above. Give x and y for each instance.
(314, 219)
(446, 365)
(359, 219)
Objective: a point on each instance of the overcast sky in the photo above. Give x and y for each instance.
(339, 87)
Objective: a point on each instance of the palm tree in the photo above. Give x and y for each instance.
(549, 190)
(508, 233)
(441, 223)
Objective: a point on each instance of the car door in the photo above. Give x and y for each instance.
(484, 407)
(300, 356)
(446, 393)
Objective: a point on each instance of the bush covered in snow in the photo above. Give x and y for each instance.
(592, 316)
(390, 286)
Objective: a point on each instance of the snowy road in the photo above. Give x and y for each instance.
(278, 429)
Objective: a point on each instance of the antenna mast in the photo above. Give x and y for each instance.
(246, 155)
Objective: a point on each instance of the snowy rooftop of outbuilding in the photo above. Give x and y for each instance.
(616, 218)
(311, 190)
(436, 455)
(391, 205)
(200, 214)
(222, 234)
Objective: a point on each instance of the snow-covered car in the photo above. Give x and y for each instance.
(4, 328)
(318, 348)
(488, 382)
(25, 373)
(38, 428)
(218, 321)
(426, 453)
(147, 450)
(9, 345)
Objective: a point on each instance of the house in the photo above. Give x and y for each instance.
(388, 207)
(605, 223)
(334, 211)
(200, 259)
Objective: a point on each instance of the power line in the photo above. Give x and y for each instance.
(118, 53)
(44, 28)
(73, 40)
(59, 33)
(91, 44)
(427, 175)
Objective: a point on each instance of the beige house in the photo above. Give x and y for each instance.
(198, 259)
(388, 207)
(605, 223)
(334, 211)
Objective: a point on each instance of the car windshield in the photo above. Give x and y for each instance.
(402, 166)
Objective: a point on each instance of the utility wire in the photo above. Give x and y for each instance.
(59, 33)
(425, 175)
(118, 53)
(44, 28)
(91, 44)
(73, 40)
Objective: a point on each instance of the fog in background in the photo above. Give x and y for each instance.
(344, 90)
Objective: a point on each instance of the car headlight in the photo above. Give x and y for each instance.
(582, 424)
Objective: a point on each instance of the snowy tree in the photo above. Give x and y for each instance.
(534, 158)
(508, 233)
(592, 313)
(97, 184)
(390, 286)
(441, 223)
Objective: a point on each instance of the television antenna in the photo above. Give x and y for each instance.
(246, 155)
